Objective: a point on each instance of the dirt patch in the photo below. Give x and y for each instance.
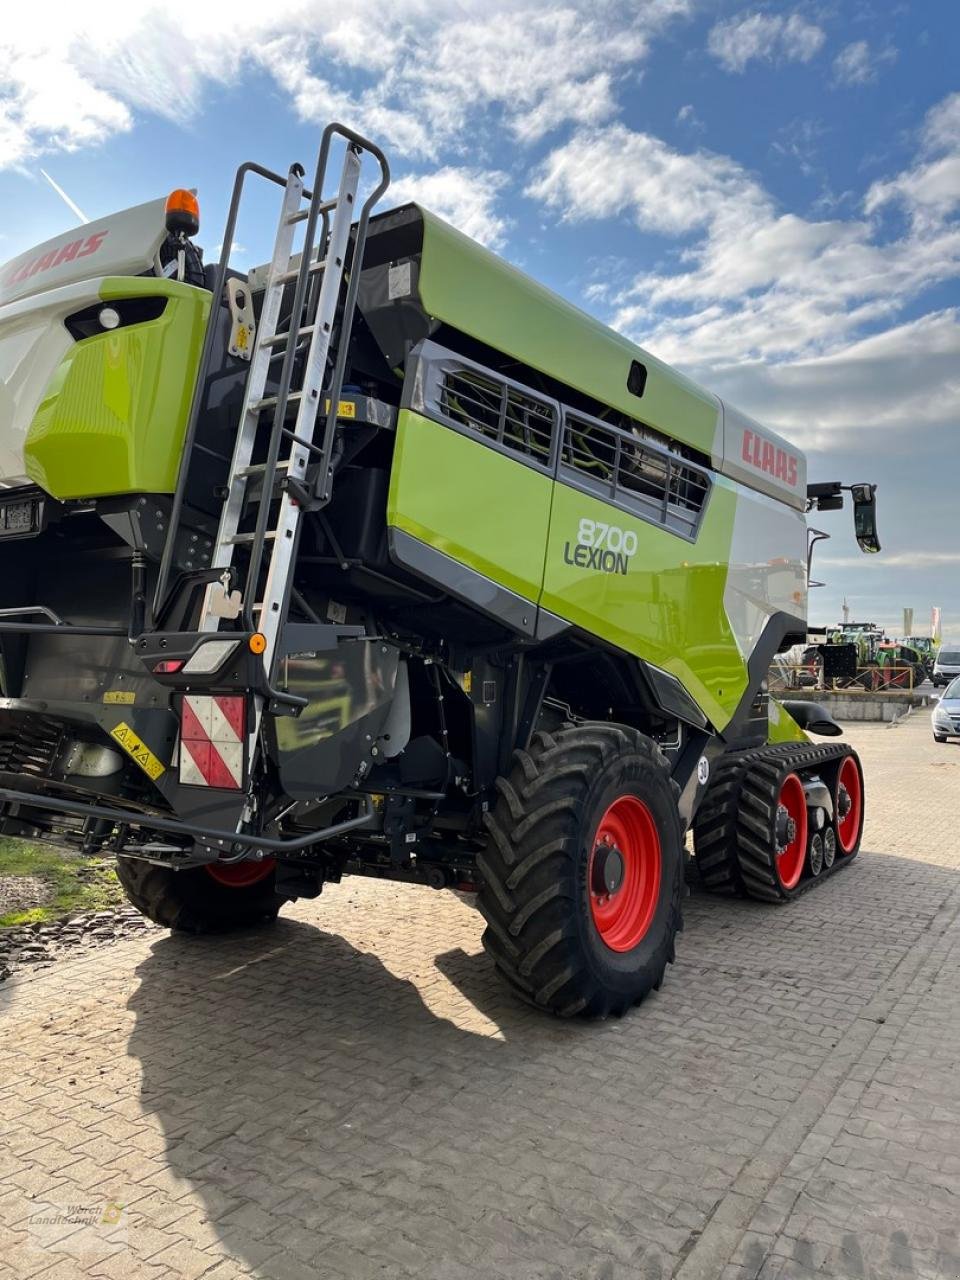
(20, 893)
(39, 944)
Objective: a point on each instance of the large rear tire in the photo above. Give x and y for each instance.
(583, 874)
(197, 901)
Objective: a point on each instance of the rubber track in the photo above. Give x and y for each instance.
(731, 851)
(529, 870)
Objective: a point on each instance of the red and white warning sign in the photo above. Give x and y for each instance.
(212, 742)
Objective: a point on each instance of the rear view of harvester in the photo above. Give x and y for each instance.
(383, 560)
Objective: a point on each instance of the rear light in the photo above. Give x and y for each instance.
(167, 667)
(210, 657)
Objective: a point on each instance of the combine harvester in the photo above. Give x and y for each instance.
(383, 560)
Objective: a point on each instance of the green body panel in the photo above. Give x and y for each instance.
(783, 727)
(112, 417)
(487, 511)
(496, 516)
(466, 286)
(668, 605)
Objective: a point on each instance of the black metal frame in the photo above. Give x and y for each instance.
(157, 822)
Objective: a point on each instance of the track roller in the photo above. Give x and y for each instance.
(815, 854)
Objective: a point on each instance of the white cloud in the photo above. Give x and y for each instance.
(605, 172)
(857, 63)
(414, 80)
(753, 282)
(930, 190)
(464, 197)
(687, 115)
(941, 130)
(903, 383)
(764, 37)
(894, 560)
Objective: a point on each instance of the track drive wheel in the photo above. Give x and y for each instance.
(848, 806)
(583, 872)
(202, 899)
(772, 831)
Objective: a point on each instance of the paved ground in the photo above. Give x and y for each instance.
(353, 1095)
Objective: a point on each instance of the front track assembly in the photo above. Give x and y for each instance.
(778, 819)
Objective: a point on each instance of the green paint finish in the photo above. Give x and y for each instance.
(663, 603)
(783, 727)
(465, 499)
(113, 416)
(472, 289)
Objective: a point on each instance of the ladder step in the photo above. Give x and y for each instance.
(292, 275)
(240, 539)
(279, 338)
(255, 469)
(303, 214)
(270, 401)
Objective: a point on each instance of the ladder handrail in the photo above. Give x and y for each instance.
(350, 302)
(199, 388)
(360, 144)
(313, 281)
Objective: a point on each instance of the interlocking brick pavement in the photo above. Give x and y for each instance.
(353, 1094)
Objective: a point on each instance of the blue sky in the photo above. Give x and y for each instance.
(763, 194)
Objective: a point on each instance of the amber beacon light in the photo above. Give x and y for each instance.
(182, 213)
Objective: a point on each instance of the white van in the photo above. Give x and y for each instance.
(947, 664)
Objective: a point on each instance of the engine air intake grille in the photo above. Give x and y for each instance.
(622, 468)
(499, 412)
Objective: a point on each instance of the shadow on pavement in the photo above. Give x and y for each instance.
(334, 1119)
(327, 1118)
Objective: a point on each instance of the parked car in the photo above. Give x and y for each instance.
(946, 667)
(946, 714)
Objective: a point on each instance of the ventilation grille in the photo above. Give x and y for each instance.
(29, 745)
(624, 469)
(499, 413)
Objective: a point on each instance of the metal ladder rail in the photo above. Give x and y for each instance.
(160, 595)
(309, 399)
(249, 420)
(280, 571)
(349, 307)
(285, 535)
(269, 344)
(279, 577)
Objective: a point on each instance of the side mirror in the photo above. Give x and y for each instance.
(865, 516)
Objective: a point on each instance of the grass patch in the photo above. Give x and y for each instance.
(76, 883)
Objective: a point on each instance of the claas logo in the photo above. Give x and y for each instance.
(82, 248)
(763, 455)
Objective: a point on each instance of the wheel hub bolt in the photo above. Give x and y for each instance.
(844, 803)
(785, 828)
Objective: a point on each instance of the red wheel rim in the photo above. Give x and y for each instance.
(791, 854)
(850, 797)
(240, 875)
(624, 873)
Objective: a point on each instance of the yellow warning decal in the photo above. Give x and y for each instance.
(345, 408)
(137, 750)
(119, 698)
